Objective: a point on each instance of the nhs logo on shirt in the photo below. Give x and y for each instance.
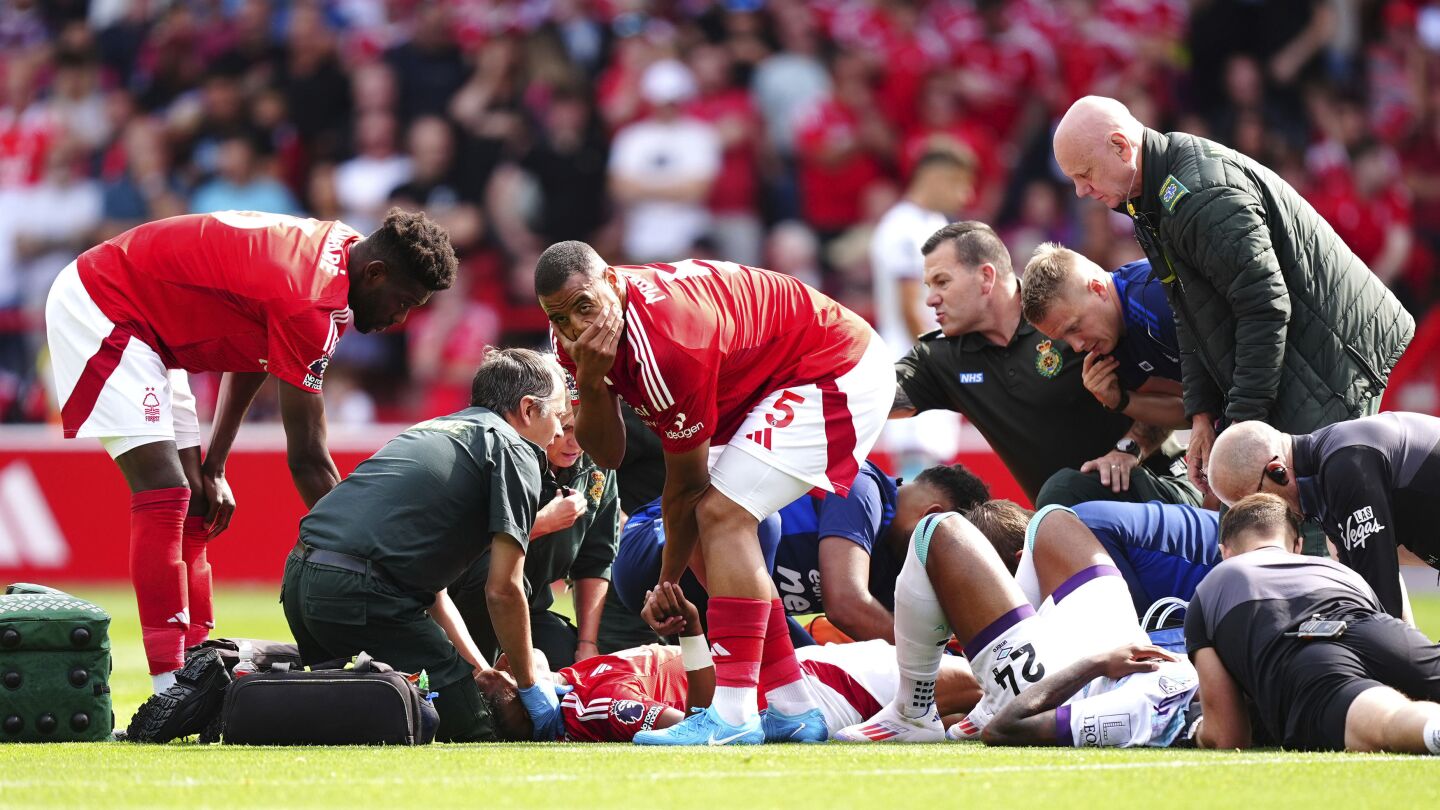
(972, 377)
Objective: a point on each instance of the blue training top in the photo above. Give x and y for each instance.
(1150, 347)
(1161, 549)
(861, 517)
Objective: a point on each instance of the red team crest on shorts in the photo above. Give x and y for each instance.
(151, 404)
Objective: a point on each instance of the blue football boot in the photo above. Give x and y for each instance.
(705, 728)
(806, 727)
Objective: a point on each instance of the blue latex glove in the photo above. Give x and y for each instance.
(542, 703)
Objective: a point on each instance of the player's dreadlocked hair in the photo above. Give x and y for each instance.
(962, 488)
(415, 245)
(500, 700)
(562, 260)
(975, 244)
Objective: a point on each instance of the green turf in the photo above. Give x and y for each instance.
(592, 776)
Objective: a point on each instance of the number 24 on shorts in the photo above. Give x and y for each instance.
(785, 412)
(1031, 670)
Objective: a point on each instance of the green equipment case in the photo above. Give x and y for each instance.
(54, 667)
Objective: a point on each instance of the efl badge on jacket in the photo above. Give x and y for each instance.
(597, 487)
(1047, 359)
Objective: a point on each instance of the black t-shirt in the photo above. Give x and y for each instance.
(1027, 398)
(1374, 483)
(428, 504)
(642, 471)
(1244, 607)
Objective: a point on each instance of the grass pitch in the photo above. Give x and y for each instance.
(595, 776)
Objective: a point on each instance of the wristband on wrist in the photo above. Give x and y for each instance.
(695, 653)
(588, 641)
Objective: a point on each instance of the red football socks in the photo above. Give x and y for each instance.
(778, 665)
(737, 639)
(157, 519)
(197, 572)
(781, 681)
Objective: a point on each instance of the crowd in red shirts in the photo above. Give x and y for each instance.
(764, 131)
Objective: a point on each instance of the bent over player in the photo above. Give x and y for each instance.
(235, 291)
(760, 389)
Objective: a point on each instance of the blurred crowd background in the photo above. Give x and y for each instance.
(769, 132)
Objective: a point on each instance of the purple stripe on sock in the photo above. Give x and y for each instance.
(1083, 576)
(1062, 727)
(993, 630)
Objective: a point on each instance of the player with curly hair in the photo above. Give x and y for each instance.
(246, 293)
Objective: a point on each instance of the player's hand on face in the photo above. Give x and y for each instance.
(594, 349)
(1114, 468)
(661, 614)
(1100, 375)
(220, 499)
(1133, 658)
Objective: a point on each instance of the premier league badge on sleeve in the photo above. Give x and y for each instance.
(316, 375)
(628, 712)
(1047, 359)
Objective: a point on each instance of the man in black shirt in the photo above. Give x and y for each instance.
(377, 553)
(1022, 390)
(574, 538)
(1365, 682)
(1372, 483)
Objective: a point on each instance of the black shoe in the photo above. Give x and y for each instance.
(188, 706)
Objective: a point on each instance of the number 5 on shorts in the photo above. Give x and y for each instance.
(784, 409)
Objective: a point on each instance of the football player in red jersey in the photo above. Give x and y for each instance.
(760, 389)
(240, 292)
(616, 697)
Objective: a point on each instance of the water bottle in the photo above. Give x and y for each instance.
(247, 662)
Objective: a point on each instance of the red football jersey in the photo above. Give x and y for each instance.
(618, 695)
(705, 341)
(230, 291)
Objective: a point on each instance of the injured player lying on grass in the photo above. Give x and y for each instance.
(1082, 647)
(625, 696)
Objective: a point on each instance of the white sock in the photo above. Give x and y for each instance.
(920, 635)
(736, 704)
(1028, 579)
(1432, 734)
(163, 681)
(792, 698)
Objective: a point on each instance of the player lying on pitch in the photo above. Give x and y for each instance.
(634, 693)
(953, 578)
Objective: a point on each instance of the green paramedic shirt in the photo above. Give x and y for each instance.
(427, 505)
(1026, 398)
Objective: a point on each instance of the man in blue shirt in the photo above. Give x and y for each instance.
(1123, 324)
(1162, 550)
(852, 546)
